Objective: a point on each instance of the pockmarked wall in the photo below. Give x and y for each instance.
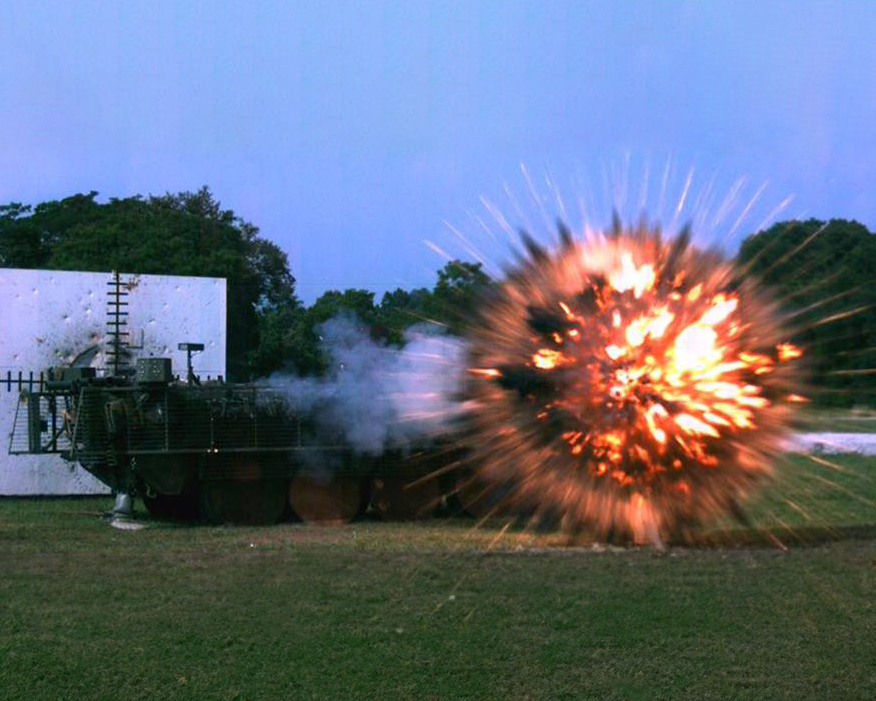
(50, 318)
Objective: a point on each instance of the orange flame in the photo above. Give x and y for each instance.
(656, 375)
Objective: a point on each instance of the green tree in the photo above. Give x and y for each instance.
(460, 285)
(188, 233)
(448, 303)
(823, 273)
(301, 346)
(400, 309)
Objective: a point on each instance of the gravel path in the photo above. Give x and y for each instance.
(863, 443)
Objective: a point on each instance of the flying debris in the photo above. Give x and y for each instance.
(628, 383)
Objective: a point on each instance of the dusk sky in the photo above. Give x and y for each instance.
(351, 132)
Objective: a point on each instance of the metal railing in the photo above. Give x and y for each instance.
(145, 421)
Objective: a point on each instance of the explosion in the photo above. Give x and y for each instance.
(630, 384)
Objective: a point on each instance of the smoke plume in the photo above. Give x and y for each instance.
(377, 396)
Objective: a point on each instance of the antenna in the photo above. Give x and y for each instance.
(190, 348)
(117, 323)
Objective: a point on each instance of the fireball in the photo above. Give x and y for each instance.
(630, 384)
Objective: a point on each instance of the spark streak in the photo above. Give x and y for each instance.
(630, 384)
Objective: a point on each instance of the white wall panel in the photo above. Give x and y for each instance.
(52, 317)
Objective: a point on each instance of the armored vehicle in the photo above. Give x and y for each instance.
(223, 451)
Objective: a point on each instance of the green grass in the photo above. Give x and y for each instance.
(441, 611)
(837, 421)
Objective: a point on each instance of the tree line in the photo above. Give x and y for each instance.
(824, 275)
(823, 272)
(190, 233)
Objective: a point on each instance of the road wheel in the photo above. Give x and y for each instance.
(338, 499)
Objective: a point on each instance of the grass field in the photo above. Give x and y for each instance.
(838, 421)
(440, 610)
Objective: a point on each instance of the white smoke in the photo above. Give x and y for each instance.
(377, 396)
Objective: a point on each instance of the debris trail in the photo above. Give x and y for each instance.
(628, 383)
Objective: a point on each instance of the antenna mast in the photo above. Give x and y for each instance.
(117, 324)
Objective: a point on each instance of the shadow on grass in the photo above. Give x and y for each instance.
(542, 535)
(790, 537)
(781, 537)
(739, 537)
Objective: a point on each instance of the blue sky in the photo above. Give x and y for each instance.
(351, 131)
